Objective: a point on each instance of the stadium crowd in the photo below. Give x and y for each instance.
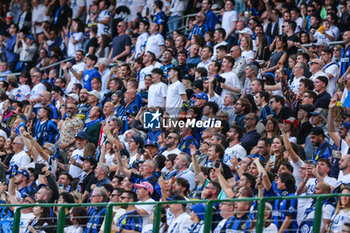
(141, 111)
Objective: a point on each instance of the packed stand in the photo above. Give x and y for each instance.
(115, 104)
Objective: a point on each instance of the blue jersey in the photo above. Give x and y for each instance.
(131, 221)
(123, 114)
(284, 208)
(242, 224)
(200, 30)
(96, 218)
(344, 60)
(161, 19)
(88, 75)
(45, 132)
(324, 151)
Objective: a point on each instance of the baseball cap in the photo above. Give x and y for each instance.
(91, 159)
(320, 112)
(23, 172)
(95, 93)
(145, 185)
(74, 96)
(82, 135)
(346, 125)
(202, 95)
(151, 143)
(9, 15)
(292, 120)
(307, 107)
(246, 31)
(199, 210)
(30, 37)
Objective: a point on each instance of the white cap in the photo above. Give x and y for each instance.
(246, 31)
(95, 93)
(74, 96)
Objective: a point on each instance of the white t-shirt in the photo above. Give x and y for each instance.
(35, 93)
(38, 16)
(26, 218)
(22, 92)
(296, 171)
(220, 226)
(231, 79)
(102, 28)
(300, 23)
(180, 224)
(343, 179)
(236, 151)
(20, 159)
(295, 84)
(73, 229)
(75, 5)
(227, 20)
(174, 100)
(143, 72)
(140, 43)
(148, 209)
(321, 37)
(80, 67)
(339, 219)
(311, 184)
(168, 152)
(156, 94)
(72, 48)
(75, 171)
(248, 55)
(333, 69)
(154, 42)
(319, 73)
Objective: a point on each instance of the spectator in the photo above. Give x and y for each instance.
(120, 44)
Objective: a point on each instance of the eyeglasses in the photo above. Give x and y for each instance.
(310, 10)
(169, 137)
(271, 102)
(122, 198)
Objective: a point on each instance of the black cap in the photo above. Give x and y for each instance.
(82, 135)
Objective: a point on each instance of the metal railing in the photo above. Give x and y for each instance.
(158, 211)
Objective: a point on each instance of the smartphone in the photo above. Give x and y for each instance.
(217, 164)
(37, 169)
(273, 160)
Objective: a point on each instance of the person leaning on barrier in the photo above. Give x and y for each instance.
(131, 221)
(96, 213)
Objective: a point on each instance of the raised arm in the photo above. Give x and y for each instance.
(196, 167)
(289, 147)
(225, 186)
(265, 178)
(331, 127)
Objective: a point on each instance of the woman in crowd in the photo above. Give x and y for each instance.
(342, 212)
(263, 52)
(247, 48)
(42, 223)
(271, 129)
